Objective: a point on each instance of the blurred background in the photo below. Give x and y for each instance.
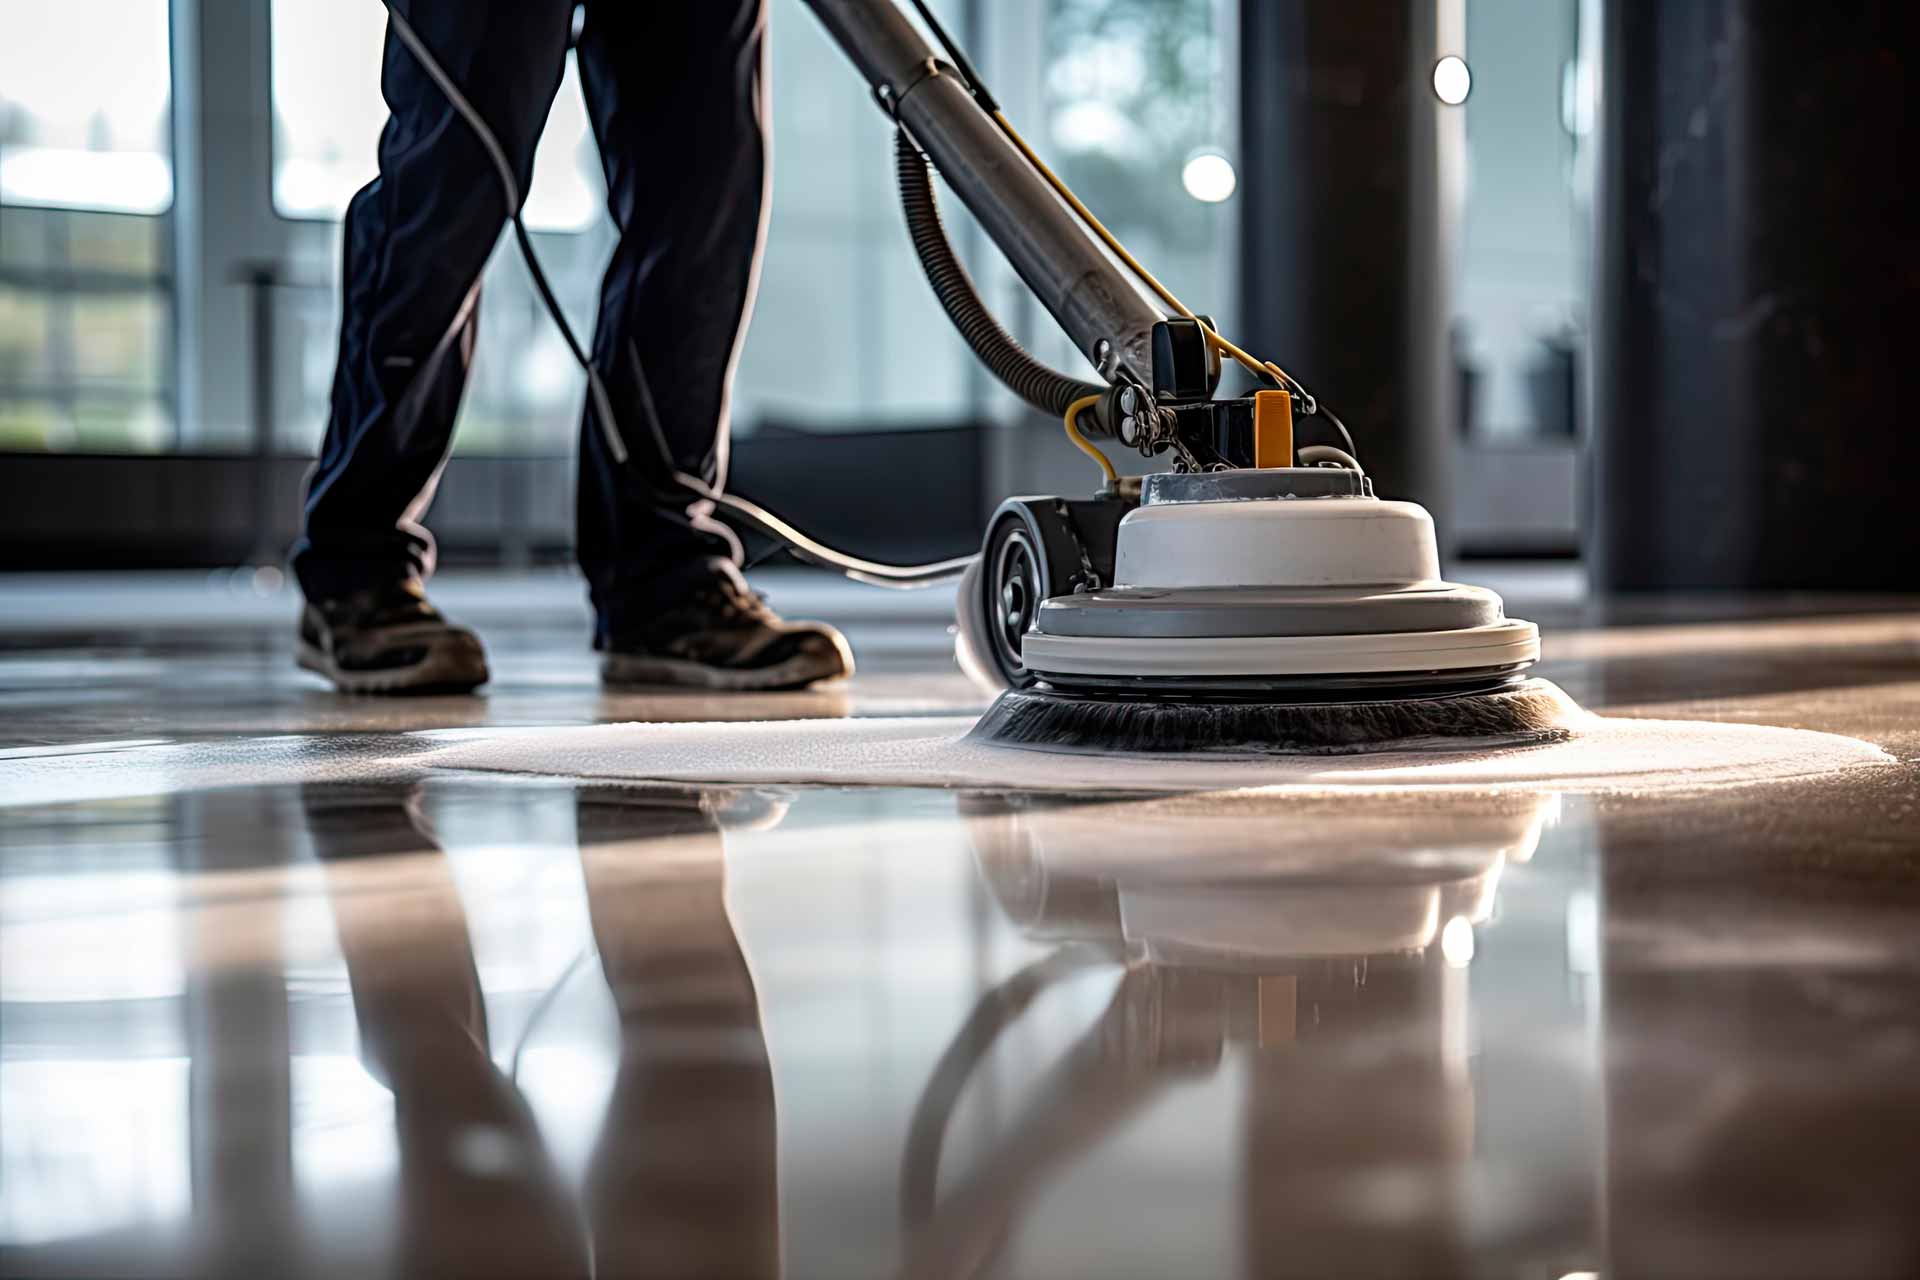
(1619, 289)
(1403, 202)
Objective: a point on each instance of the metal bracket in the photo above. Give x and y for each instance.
(890, 98)
(1183, 367)
(1089, 578)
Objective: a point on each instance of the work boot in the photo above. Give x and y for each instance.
(389, 639)
(724, 636)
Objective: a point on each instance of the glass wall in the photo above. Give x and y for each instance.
(1128, 97)
(86, 183)
(1522, 299)
(1137, 96)
(327, 116)
(525, 393)
(846, 333)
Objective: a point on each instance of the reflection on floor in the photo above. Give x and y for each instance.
(448, 1023)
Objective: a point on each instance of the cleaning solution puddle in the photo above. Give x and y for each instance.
(1600, 755)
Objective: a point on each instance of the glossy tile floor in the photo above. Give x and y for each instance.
(484, 1025)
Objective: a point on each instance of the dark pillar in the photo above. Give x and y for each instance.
(1349, 184)
(1756, 279)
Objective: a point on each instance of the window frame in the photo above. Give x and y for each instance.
(61, 286)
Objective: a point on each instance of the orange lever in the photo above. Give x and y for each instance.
(1272, 429)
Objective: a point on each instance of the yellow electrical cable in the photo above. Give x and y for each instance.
(1085, 445)
(1254, 366)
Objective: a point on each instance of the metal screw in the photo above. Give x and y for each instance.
(1128, 399)
(1102, 352)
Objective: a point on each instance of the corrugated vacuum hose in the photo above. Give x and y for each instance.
(1045, 389)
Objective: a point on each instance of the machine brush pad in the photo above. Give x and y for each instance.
(1530, 713)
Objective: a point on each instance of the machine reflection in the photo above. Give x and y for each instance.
(1332, 975)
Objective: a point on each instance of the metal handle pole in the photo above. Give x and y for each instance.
(1106, 313)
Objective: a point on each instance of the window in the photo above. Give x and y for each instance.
(1122, 95)
(92, 139)
(525, 393)
(86, 178)
(846, 334)
(1521, 302)
(328, 112)
(1136, 95)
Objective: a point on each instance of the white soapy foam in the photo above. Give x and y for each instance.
(1606, 756)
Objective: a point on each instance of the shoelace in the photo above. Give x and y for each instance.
(744, 604)
(387, 607)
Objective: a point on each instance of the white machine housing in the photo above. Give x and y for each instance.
(1336, 575)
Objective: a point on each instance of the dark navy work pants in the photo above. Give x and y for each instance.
(676, 93)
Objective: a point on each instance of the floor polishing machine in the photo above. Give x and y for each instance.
(1258, 595)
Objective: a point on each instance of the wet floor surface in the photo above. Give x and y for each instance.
(416, 1023)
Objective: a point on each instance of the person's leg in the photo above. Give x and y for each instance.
(416, 239)
(677, 97)
(479, 1193)
(684, 1180)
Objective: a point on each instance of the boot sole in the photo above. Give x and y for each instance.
(451, 666)
(630, 671)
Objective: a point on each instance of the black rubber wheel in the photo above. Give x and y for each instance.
(1014, 579)
(1035, 548)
